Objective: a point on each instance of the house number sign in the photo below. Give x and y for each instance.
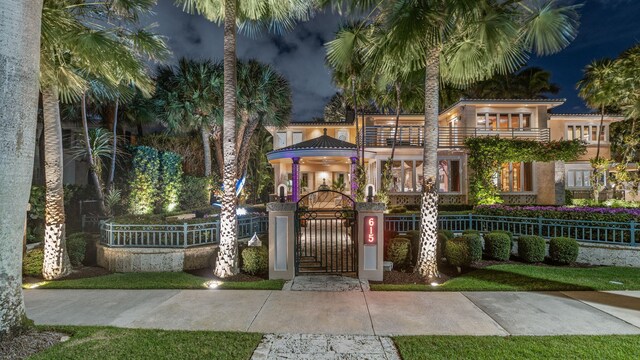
(370, 230)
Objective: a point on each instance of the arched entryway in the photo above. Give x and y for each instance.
(325, 226)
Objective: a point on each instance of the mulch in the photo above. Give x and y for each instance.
(77, 273)
(29, 343)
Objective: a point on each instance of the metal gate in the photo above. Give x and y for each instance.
(326, 234)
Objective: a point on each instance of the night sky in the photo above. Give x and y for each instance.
(607, 28)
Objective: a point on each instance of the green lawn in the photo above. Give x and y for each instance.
(115, 343)
(519, 347)
(521, 277)
(162, 280)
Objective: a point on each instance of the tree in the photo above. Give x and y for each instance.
(20, 39)
(251, 16)
(461, 42)
(190, 95)
(80, 42)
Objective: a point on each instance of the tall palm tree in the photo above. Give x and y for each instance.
(251, 16)
(461, 42)
(77, 45)
(190, 94)
(264, 97)
(20, 39)
(526, 83)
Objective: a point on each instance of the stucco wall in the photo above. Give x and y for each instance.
(154, 260)
(545, 183)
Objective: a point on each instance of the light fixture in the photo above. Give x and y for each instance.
(213, 284)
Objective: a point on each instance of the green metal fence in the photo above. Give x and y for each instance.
(619, 233)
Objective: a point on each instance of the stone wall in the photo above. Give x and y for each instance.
(154, 260)
(603, 254)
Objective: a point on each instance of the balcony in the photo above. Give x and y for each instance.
(448, 137)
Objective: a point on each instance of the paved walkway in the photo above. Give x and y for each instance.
(348, 312)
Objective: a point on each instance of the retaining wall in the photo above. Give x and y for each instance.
(155, 260)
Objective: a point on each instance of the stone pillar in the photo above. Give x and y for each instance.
(295, 179)
(370, 240)
(354, 170)
(559, 182)
(281, 240)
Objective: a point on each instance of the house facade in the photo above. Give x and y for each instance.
(311, 155)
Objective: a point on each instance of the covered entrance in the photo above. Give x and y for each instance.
(326, 233)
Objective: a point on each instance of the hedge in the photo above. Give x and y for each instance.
(399, 252)
(255, 260)
(76, 247)
(563, 250)
(497, 245)
(475, 245)
(458, 252)
(531, 248)
(562, 212)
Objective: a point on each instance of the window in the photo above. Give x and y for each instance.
(579, 178)
(449, 175)
(297, 137)
(342, 135)
(588, 133)
(503, 121)
(516, 177)
(281, 139)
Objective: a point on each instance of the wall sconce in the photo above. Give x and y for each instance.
(282, 192)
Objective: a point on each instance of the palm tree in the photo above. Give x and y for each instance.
(190, 94)
(526, 83)
(20, 38)
(78, 45)
(251, 16)
(461, 42)
(264, 97)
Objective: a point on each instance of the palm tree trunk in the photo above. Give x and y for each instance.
(596, 175)
(93, 170)
(600, 132)
(227, 261)
(217, 143)
(56, 260)
(395, 132)
(112, 172)
(428, 261)
(206, 146)
(355, 112)
(20, 39)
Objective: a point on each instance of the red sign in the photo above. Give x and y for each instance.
(370, 230)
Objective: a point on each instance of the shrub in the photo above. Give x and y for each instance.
(497, 245)
(76, 247)
(531, 248)
(399, 252)
(398, 209)
(414, 236)
(171, 180)
(195, 192)
(144, 180)
(255, 260)
(563, 250)
(475, 246)
(442, 244)
(447, 233)
(562, 212)
(32, 262)
(508, 233)
(457, 252)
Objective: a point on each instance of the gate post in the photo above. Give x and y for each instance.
(370, 240)
(281, 240)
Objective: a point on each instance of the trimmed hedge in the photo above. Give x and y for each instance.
(77, 247)
(458, 252)
(563, 250)
(562, 212)
(195, 192)
(32, 262)
(508, 233)
(471, 231)
(497, 245)
(475, 245)
(447, 233)
(255, 260)
(414, 236)
(399, 252)
(531, 248)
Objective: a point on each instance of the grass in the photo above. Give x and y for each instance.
(521, 277)
(116, 343)
(160, 280)
(518, 347)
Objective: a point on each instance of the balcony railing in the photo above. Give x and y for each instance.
(448, 137)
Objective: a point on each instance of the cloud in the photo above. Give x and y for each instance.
(298, 55)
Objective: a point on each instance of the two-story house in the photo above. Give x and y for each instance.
(308, 155)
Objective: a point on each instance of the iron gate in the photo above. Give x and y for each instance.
(326, 234)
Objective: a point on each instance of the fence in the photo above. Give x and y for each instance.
(620, 233)
(175, 235)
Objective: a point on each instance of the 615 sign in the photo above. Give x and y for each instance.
(370, 230)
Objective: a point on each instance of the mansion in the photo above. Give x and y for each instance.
(308, 156)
